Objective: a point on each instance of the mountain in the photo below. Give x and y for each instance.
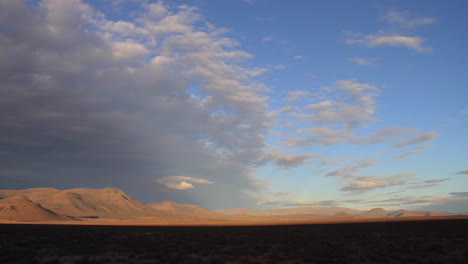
(375, 212)
(82, 202)
(186, 210)
(313, 210)
(46, 204)
(20, 208)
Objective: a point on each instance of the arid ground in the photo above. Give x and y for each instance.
(429, 241)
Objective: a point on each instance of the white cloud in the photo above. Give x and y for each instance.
(396, 40)
(266, 39)
(428, 136)
(405, 19)
(364, 61)
(333, 119)
(298, 57)
(181, 182)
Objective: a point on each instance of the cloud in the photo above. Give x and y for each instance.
(298, 57)
(339, 111)
(395, 40)
(296, 95)
(329, 136)
(369, 182)
(281, 193)
(288, 161)
(180, 182)
(465, 111)
(459, 194)
(418, 138)
(351, 170)
(405, 19)
(426, 183)
(364, 61)
(92, 99)
(356, 182)
(266, 39)
(358, 110)
(462, 172)
(453, 203)
(415, 150)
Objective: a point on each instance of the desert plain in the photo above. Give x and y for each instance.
(47, 225)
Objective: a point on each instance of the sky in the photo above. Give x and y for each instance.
(239, 103)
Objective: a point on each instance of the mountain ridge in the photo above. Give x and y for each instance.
(112, 203)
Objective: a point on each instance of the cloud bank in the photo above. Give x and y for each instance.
(89, 101)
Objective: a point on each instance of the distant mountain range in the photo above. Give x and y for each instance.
(50, 204)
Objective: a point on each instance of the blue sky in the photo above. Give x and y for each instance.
(237, 103)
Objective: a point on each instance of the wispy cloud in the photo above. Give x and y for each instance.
(288, 161)
(416, 150)
(350, 171)
(395, 40)
(465, 172)
(296, 95)
(405, 19)
(364, 61)
(298, 57)
(418, 139)
(369, 182)
(459, 194)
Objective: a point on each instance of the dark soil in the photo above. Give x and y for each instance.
(435, 241)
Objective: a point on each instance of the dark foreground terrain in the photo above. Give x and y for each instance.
(434, 241)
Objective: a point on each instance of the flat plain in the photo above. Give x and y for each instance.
(428, 241)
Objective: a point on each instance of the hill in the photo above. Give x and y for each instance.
(375, 212)
(82, 202)
(185, 210)
(20, 208)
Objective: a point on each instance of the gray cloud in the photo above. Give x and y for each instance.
(92, 102)
(289, 161)
(459, 194)
(436, 202)
(462, 172)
